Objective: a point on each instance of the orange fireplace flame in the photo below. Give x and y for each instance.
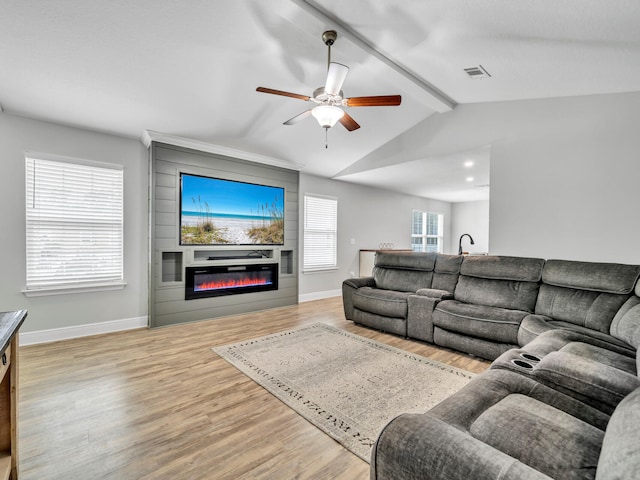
(231, 283)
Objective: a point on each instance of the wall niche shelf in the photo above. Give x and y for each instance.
(171, 269)
(286, 262)
(239, 255)
(174, 262)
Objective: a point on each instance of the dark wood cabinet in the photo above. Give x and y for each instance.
(10, 323)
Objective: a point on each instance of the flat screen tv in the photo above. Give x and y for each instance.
(215, 211)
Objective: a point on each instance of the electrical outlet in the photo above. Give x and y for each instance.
(353, 241)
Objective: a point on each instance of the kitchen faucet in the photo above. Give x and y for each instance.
(460, 242)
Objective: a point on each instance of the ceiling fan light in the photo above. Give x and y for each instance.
(327, 115)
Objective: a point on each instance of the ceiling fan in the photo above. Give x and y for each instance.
(329, 99)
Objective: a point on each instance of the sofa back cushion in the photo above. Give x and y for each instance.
(404, 272)
(619, 455)
(587, 309)
(446, 272)
(626, 324)
(498, 281)
(585, 293)
(598, 277)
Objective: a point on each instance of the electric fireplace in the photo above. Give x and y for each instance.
(218, 280)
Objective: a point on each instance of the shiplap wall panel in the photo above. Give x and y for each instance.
(168, 305)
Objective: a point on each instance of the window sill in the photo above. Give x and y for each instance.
(319, 270)
(70, 289)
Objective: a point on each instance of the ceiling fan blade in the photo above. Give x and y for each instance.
(298, 118)
(284, 94)
(348, 122)
(379, 101)
(335, 78)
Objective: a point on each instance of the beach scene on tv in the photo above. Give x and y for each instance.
(219, 212)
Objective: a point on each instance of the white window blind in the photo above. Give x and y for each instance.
(320, 232)
(74, 224)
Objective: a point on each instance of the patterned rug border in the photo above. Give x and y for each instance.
(318, 415)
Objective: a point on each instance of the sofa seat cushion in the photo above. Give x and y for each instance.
(534, 325)
(492, 323)
(387, 303)
(394, 325)
(532, 432)
(479, 347)
(604, 337)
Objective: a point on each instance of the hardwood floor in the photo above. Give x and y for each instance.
(159, 404)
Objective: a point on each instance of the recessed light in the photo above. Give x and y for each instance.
(469, 179)
(468, 163)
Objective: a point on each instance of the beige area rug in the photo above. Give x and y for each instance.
(344, 384)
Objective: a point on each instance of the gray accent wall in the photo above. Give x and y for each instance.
(169, 259)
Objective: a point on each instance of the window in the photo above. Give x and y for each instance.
(74, 224)
(426, 231)
(320, 233)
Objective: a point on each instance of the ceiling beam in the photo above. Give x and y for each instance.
(436, 100)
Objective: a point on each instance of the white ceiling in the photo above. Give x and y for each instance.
(190, 69)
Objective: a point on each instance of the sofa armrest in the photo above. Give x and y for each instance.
(581, 376)
(434, 293)
(358, 282)
(420, 446)
(420, 309)
(349, 286)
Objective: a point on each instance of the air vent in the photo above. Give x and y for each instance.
(477, 72)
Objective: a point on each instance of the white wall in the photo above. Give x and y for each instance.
(17, 135)
(370, 216)
(471, 218)
(571, 191)
(564, 171)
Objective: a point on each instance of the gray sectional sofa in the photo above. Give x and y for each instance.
(487, 305)
(561, 399)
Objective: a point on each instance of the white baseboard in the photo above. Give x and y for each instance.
(307, 297)
(66, 333)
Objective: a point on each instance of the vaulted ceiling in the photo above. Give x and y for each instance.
(190, 69)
